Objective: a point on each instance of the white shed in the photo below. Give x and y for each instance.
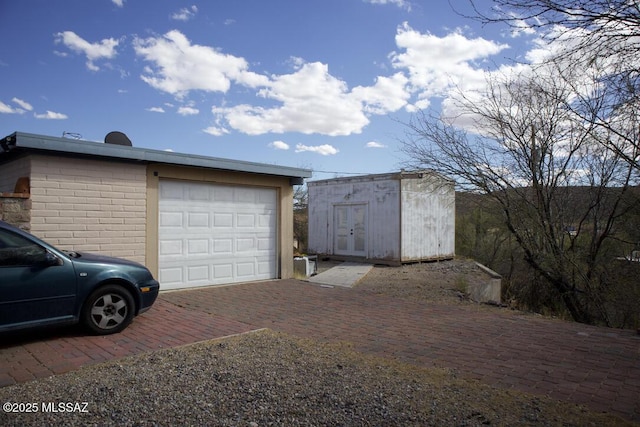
(390, 218)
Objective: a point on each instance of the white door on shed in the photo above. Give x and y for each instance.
(212, 234)
(350, 230)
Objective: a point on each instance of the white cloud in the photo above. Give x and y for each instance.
(105, 49)
(23, 104)
(215, 130)
(180, 67)
(8, 109)
(559, 40)
(310, 101)
(185, 14)
(436, 64)
(387, 95)
(279, 145)
(156, 109)
(188, 111)
(324, 149)
(22, 108)
(400, 3)
(520, 27)
(119, 3)
(374, 144)
(296, 62)
(51, 115)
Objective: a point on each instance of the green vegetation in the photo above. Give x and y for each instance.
(610, 294)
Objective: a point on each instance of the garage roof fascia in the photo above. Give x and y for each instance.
(26, 142)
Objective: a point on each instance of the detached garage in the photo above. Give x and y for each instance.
(193, 220)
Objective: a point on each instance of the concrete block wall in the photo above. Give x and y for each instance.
(90, 205)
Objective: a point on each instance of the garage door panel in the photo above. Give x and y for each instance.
(246, 220)
(222, 194)
(171, 276)
(198, 273)
(265, 244)
(171, 191)
(264, 267)
(266, 220)
(223, 246)
(223, 272)
(245, 195)
(171, 219)
(265, 199)
(223, 220)
(198, 247)
(200, 192)
(199, 219)
(245, 269)
(171, 247)
(216, 234)
(245, 245)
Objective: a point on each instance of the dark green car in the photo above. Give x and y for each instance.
(41, 285)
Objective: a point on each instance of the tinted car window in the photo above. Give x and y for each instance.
(15, 250)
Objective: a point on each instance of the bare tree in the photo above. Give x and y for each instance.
(600, 27)
(599, 37)
(522, 144)
(300, 217)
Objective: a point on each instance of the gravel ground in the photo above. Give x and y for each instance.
(267, 378)
(437, 282)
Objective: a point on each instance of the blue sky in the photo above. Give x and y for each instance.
(324, 85)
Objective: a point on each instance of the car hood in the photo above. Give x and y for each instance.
(89, 258)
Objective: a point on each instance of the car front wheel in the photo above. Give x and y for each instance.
(108, 310)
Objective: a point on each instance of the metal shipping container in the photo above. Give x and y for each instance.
(391, 218)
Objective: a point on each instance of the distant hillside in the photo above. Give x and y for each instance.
(577, 199)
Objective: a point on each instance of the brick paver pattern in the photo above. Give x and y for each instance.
(593, 366)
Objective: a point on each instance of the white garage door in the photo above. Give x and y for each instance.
(212, 234)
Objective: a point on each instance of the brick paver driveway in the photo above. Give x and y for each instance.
(597, 367)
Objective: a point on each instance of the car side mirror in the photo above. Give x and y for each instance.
(51, 260)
